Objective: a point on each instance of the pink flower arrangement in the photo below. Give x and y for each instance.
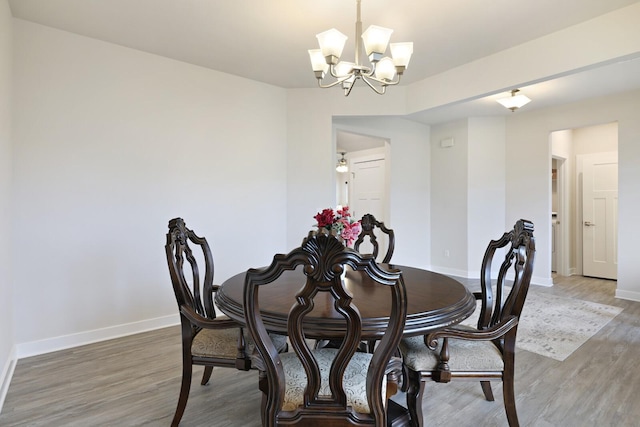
(341, 222)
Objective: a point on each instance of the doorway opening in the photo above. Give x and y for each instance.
(364, 187)
(367, 157)
(584, 180)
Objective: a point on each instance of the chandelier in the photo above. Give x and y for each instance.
(382, 72)
(342, 165)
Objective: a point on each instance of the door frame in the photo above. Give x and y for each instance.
(563, 215)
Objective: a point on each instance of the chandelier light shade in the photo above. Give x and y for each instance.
(514, 101)
(332, 44)
(376, 39)
(401, 53)
(342, 164)
(382, 71)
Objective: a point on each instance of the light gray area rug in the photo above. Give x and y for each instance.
(555, 326)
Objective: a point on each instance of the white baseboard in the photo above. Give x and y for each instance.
(49, 345)
(7, 374)
(629, 295)
(542, 281)
(475, 274)
(452, 272)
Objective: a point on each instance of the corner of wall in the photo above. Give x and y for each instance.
(7, 341)
(7, 375)
(628, 295)
(542, 281)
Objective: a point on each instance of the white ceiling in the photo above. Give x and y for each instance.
(268, 40)
(607, 79)
(349, 142)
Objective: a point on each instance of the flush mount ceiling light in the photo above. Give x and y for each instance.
(342, 164)
(383, 70)
(514, 101)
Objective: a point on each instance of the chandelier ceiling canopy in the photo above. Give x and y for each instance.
(382, 71)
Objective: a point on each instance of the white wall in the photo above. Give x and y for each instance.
(109, 144)
(7, 350)
(595, 139)
(468, 192)
(562, 143)
(529, 169)
(486, 187)
(449, 202)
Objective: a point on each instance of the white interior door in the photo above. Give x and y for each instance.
(368, 192)
(600, 215)
(368, 188)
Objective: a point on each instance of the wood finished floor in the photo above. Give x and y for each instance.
(134, 381)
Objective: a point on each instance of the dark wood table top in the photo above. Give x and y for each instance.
(434, 301)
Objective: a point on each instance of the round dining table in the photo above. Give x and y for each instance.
(434, 301)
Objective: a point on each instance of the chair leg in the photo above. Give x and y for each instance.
(404, 384)
(510, 402)
(184, 393)
(206, 375)
(508, 390)
(415, 392)
(488, 392)
(263, 386)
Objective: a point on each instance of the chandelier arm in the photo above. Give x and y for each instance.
(371, 72)
(332, 71)
(386, 82)
(372, 86)
(347, 90)
(337, 82)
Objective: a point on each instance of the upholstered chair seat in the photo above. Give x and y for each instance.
(355, 379)
(223, 343)
(465, 355)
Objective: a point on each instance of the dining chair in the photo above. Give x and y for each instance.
(487, 352)
(325, 386)
(208, 339)
(368, 234)
(369, 225)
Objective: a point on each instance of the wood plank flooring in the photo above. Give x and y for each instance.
(134, 381)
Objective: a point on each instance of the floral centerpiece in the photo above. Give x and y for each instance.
(341, 222)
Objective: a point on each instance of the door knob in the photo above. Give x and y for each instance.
(589, 224)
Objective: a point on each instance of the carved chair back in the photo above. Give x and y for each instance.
(488, 353)
(323, 396)
(368, 234)
(515, 270)
(184, 249)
